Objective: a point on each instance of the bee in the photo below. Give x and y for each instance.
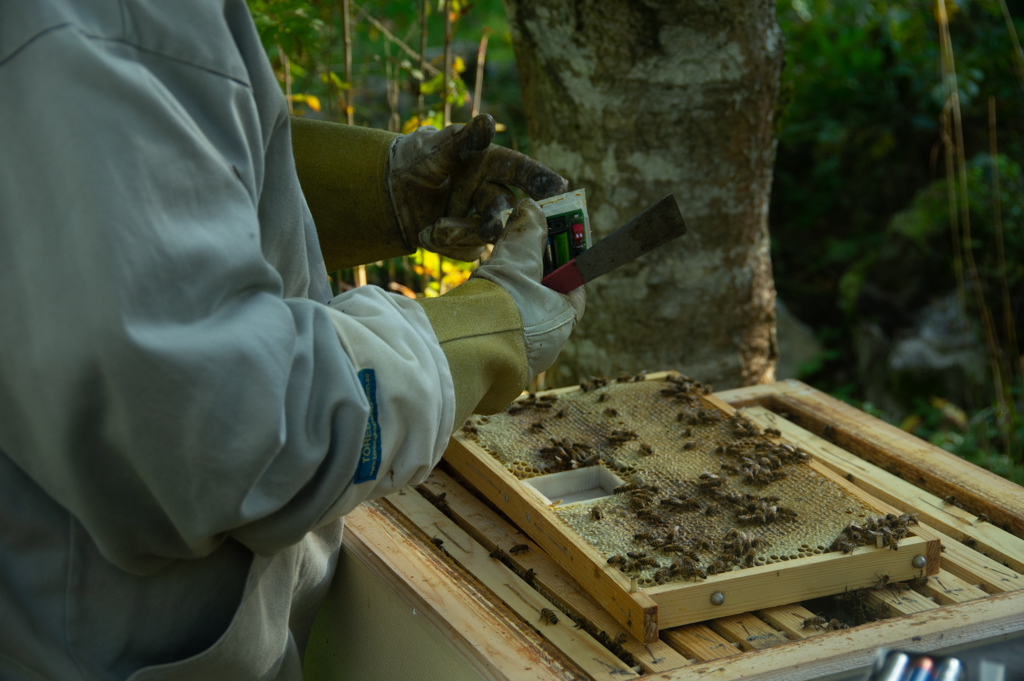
(919, 582)
(595, 513)
(437, 542)
(835, 624)
(636, 554)
(732, 533)
(549, 616)
(951, 500)
(498, 553)
(611, 412)
(688, 445)
(969, 543)
(537, 426)
(773, 431)
(701, 545)
(616, 560)
(675, 504)
(649, 516)
(628, 487)
(643, 536)
(750, 555)
(469, 428)
(647, 561)
(711, 509)
(638, 503)
(716, 567)
(529, 575)
(519, 548)
(618, 436)
(603, 397)
(674, 547)
(817, 622)
(882, 582)
(646, 449)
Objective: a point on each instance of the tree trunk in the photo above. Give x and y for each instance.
(636, 99)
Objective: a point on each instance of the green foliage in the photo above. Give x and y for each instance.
(860, 138)
(921, 233)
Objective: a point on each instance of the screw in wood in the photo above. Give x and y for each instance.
(717, 598)
(919, 562)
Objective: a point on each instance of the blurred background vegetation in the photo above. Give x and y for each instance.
(897, 213)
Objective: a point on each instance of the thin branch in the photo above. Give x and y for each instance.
(391, 72)
(1012, 349)
(424, 8)
(481, 56)
(346, 27)
(447, 62)
(1012, 30)
(398, 41)
(965, 220)
(286, 67)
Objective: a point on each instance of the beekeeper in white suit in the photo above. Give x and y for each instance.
(185, 412)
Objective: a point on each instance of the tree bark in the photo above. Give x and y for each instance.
(635, 99)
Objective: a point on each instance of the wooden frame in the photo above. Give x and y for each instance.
(642, 612)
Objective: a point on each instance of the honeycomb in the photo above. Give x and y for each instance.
(709, 492)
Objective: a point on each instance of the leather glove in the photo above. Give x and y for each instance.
(517, 266)
(436, 178)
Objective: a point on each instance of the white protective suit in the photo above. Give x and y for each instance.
(168, 368)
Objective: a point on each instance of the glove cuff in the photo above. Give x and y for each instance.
(343, 173)
(481, 333)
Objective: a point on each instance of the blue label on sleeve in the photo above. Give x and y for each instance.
(369, 456)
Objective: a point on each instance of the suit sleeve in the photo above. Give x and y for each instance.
(154, 380)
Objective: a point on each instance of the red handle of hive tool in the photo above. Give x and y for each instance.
(566, 278)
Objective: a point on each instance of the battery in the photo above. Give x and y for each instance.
(561, 244)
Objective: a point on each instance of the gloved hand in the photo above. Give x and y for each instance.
(435, 178)
(517, 266)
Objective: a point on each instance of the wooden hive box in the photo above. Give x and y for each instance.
(479, 602)
(690, 429)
